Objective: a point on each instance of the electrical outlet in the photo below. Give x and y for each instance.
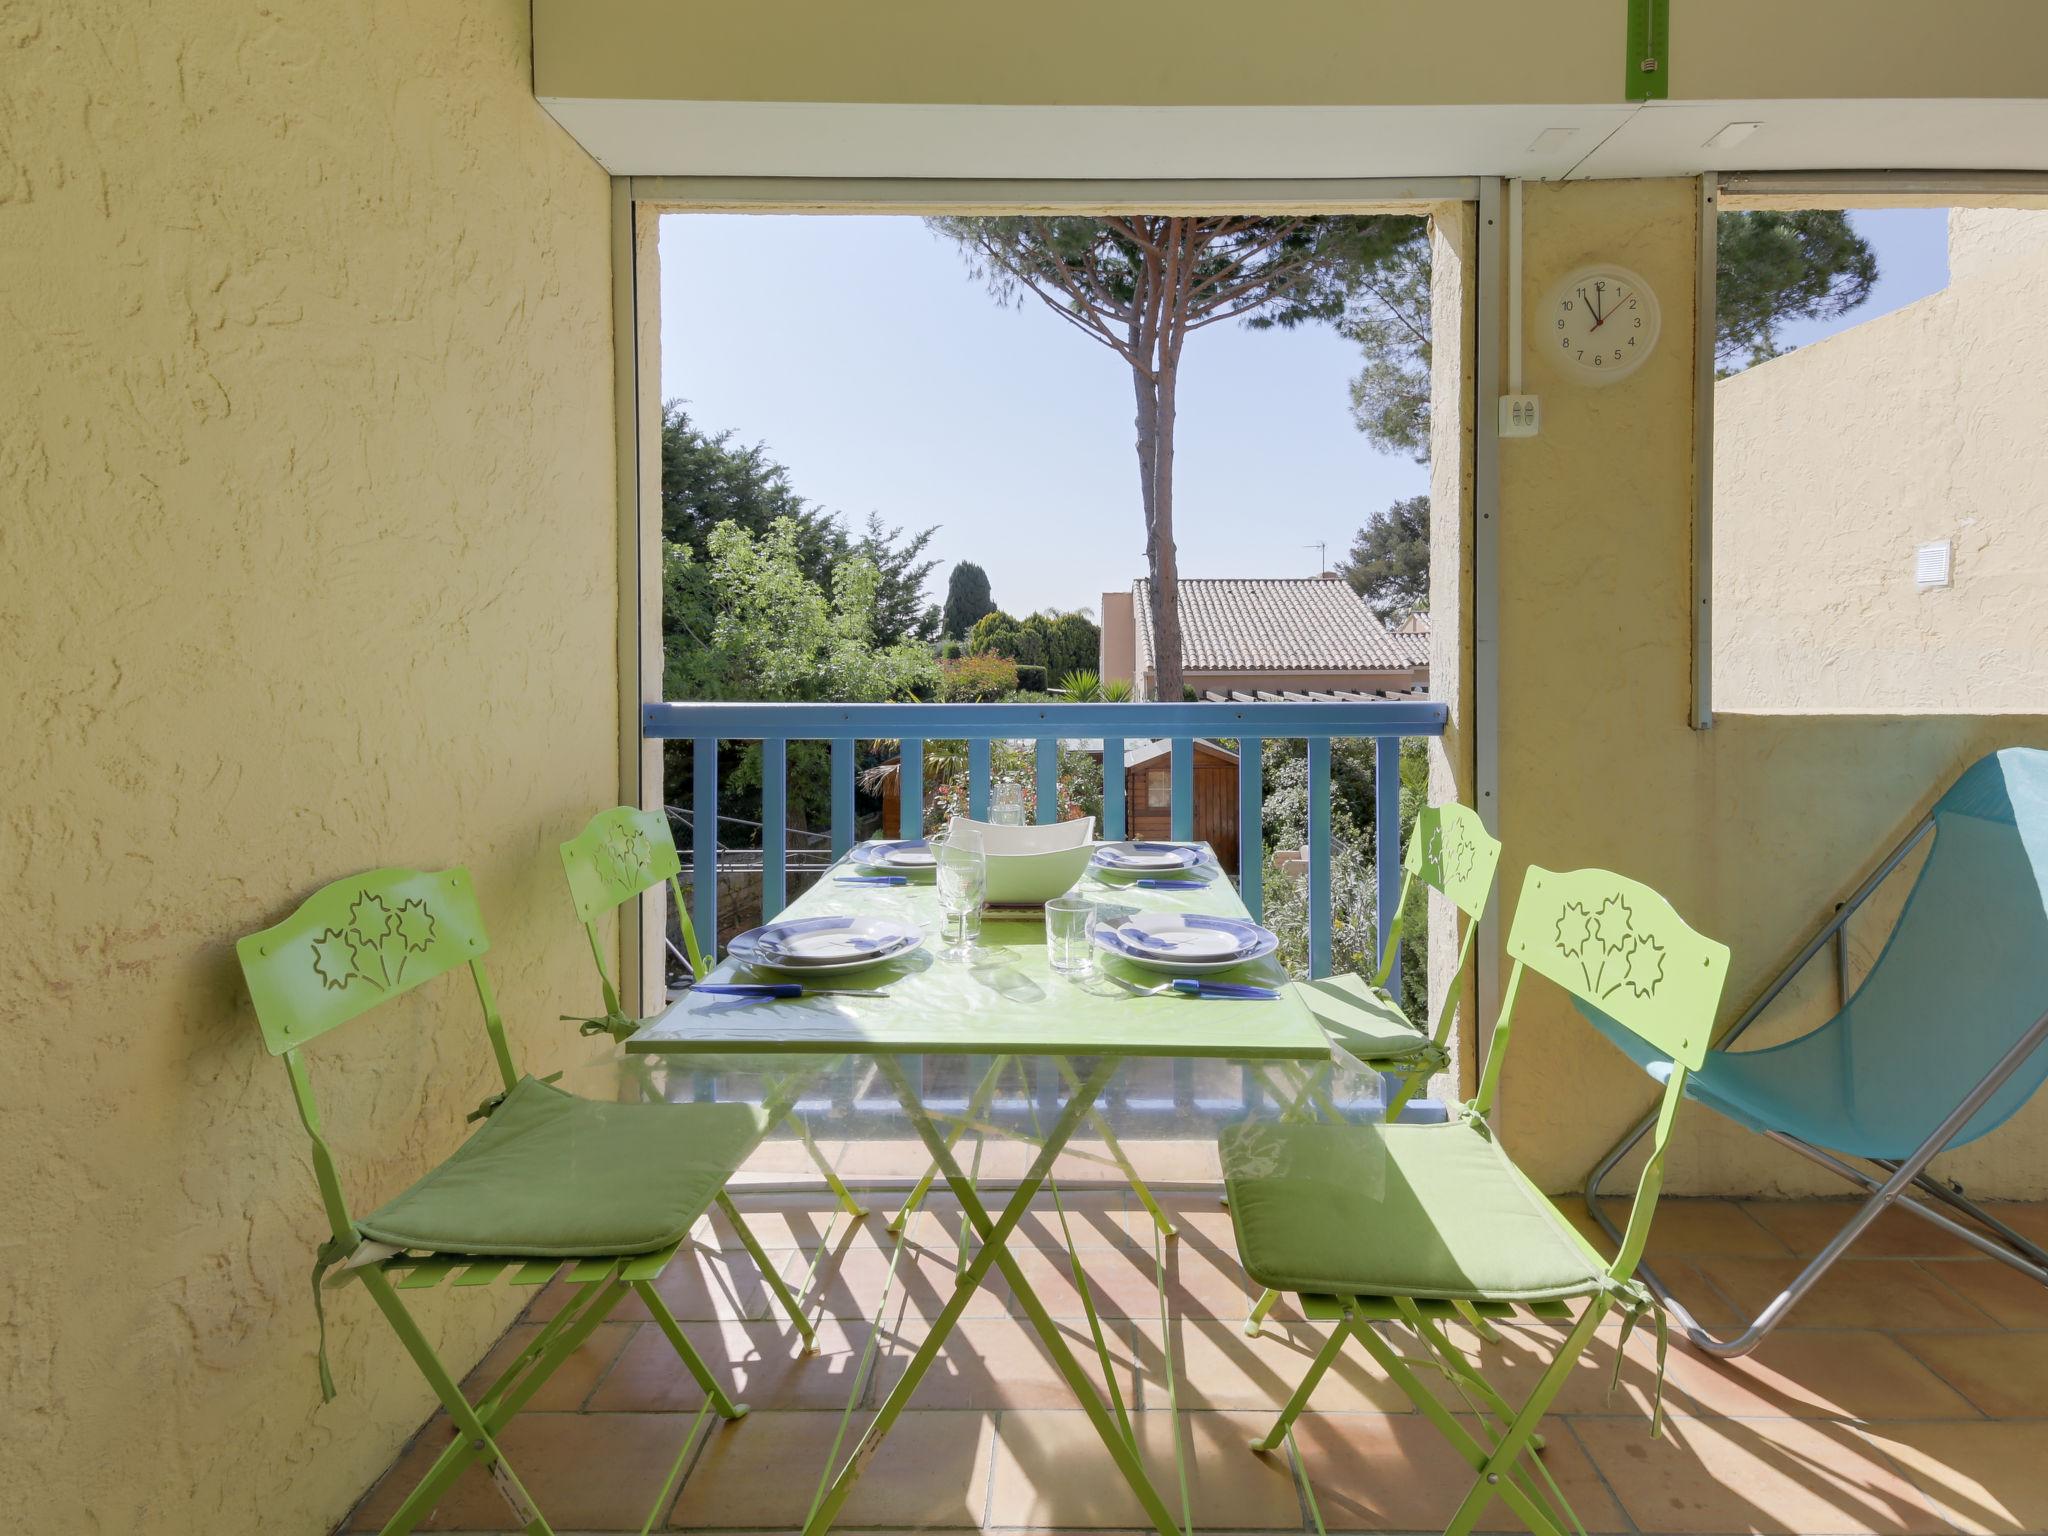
(1518, 416)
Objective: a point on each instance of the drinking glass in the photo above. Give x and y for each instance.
(1006, 804)
(1069, 924)
(961, 873)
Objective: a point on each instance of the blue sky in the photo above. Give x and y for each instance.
(860, 351)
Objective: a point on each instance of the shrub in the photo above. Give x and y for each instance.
(1029, 678)
(1082, 687)
(1116, 691)
(976, 679)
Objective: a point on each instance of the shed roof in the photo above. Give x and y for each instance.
(1234, 624)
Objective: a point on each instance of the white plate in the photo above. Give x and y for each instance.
(908, 854)
(1140, 858)
(1188, 961)
(823, 945)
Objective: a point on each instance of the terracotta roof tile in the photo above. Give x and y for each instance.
(1277, 625)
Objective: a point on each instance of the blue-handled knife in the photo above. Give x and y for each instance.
(870, 880)
(1192, 986)
(778, 989)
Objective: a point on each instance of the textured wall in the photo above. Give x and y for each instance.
(1834, 462)
(1754, 829)
(307, 564)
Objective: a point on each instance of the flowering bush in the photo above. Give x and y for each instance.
(976, 679)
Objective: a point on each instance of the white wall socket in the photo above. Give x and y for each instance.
(1518, 416)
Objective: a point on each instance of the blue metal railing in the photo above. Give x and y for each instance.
(1385, 723)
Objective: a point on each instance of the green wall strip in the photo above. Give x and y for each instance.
(1648, 76)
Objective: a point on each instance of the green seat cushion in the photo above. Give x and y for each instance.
(1397, 1210)
(550, 1175)
(1360, 1018)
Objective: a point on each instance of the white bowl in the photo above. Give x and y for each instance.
(995, 838)
(1017, 878)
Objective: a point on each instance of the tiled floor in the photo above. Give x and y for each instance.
(1909, 1393)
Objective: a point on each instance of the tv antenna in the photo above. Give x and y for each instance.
(1322, 549)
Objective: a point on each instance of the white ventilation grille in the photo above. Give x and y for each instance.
(1931, 565)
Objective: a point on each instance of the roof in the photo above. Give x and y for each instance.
(1277, 625)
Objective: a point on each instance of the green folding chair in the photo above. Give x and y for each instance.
(547, 1179)
(1390, 1223)
(619, 854)
(1451, 852)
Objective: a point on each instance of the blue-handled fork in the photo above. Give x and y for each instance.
(1195, 986)
(781, 989)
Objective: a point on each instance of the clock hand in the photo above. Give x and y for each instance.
(1599, 319)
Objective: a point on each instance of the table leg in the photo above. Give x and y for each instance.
(995, 1236)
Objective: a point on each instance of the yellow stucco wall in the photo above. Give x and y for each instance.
(1753, 829)
(307, 564)
(1296, 52)
(1833, 463)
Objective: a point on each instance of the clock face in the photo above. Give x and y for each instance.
(1599, 325)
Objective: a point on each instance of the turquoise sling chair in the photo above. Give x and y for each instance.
(547, 1179)
(1939, 1046)
(1409, 1224)
(618, 855)
(1451, 852)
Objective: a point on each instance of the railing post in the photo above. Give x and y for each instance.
(774, 827)
(842, 796)
(1182, 814)
(1386, 847)
(1048, 791)
(1319, 963)
(1251, 825)
(978, 752)
(704, 839)
(910, 787)
(1112, 789)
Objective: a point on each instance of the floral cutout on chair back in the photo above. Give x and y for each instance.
(1451, 851)
(357, 943)
(1618, 946)
(619, 854)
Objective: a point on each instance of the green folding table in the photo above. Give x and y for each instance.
(1006, 1003)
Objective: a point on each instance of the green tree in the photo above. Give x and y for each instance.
(1140, 285)
(1771, 268)
(1058, 642)
(1389, 561)
(709, 481)
(1809, 264)
(967, 600)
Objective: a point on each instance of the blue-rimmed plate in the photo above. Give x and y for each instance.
(903, 856)
(821, 945)
(1186, 943)
(1140, 858)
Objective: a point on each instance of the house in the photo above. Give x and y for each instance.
(1252, 636)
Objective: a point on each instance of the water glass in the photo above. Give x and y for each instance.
(961, 874)
(1069, 922)
(1006, 804)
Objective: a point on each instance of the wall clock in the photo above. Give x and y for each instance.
(1598, 325)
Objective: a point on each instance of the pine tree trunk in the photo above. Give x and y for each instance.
(1165, 558)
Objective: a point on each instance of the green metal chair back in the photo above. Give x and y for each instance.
(1617, 946)
(618, 855)
(351, 947)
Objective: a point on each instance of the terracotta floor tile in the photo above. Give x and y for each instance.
(2011, 1298)
(1217, 1367)
(1051, 1470)
(586, 1473)
(1379, 1472)
(1856, 1293)
(1126, 1284)
(1812, 1373)
(1683, 1227)
(1779, 1476)
(573, 1378)
(931, 1473)
(783, 1157)
(2005, 1374)
(2029, 1218)
(1983, 1477)
(1807, 1226)
(759, 1364)
(1000, 1363)
(696, 1284)
(792, 1221)
(1201, 1217)
(851, 1286)
(1096, 1220)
